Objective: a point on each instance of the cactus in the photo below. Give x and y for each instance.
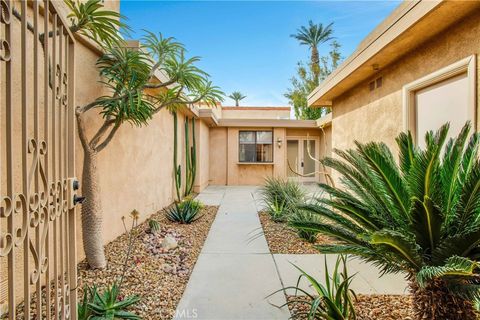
(154, 226)
(177, 169)
(190, 157)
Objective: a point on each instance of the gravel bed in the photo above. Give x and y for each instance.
(368, 307)
(282, 239)
(157, 274)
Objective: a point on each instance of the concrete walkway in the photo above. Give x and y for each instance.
(235, 271)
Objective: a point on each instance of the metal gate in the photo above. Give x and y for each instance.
(37, 215)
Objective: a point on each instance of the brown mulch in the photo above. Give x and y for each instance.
(157, 275)
(368, 307)
(282, 239)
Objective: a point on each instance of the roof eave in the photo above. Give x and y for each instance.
(397, 35)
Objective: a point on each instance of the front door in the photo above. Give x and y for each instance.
(300, 165)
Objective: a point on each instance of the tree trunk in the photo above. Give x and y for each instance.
(435, 302)
(92, 212)
(315, 61)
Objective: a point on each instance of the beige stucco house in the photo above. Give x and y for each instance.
(248, 144)
(417, 70)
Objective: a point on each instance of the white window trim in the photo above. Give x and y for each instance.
(467, 65)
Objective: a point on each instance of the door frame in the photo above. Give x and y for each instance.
(300, 140)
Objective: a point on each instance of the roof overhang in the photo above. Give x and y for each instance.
(270, 123)
(410, 25)
(324, 121)
(208, 116)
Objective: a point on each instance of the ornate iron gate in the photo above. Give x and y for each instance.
(37, 215)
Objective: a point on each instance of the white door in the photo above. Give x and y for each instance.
(300, 165)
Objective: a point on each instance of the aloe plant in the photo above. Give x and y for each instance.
(332, 300)
(107, 305)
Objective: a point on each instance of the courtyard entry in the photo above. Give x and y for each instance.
(38, 276)
(300, 164)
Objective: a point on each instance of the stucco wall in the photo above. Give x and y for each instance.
(202, 132)
(363, 115)
(256, 112)
(225, 168)
(218, 156)
(136, 169)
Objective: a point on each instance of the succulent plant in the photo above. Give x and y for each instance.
(154, 226)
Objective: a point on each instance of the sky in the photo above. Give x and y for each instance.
(246, 45)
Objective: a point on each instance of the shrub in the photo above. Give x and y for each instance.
(106, 305)
(110, 304)
(185, 212)
(192, 202)
(281, 197)
(304, 216)
(420, 216)
(332, 301)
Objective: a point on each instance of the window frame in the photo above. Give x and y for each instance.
(255, 144)
(467, 65)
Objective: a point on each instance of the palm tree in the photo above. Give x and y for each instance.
(420, 217)
(237, 96)
(312, 36)
(134, 97)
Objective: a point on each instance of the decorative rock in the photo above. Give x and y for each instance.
(169, 243)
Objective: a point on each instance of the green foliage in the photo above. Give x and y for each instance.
(314, 34)
(306, 80)
(177, 169)
(125, 72)
(301, 215)
(185, 212)
(190, 157)
(154, 226)
(108, 305)
(189, 201)
(420, 216)
(237, 96)
(281, 197)
(93, 21)
(332, 300)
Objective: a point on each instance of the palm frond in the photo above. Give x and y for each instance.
(454, 266)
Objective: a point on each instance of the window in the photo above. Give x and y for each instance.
(255, 146)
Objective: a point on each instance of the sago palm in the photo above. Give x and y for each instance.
(420, 216)
(237, 96)
(312, 36)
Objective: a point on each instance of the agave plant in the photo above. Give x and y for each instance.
(107, 305)
(186, 211)
(420, 216)
(332, 300)
(281, 197)
(303, 215)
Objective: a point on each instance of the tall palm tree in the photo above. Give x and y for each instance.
(312, 36)
(420, 217)
(237, 96)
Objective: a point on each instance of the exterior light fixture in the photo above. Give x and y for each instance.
(375, 67)
(279, 142)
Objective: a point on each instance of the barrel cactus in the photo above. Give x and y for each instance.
(154, 226)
